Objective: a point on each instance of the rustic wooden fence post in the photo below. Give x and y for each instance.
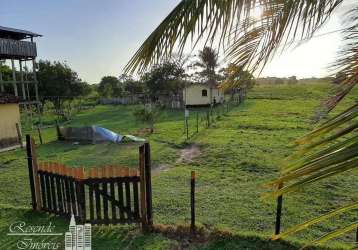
(142, 188)
(278, 212)
(31, 172)
(40, 136)
(19, 135)
(192, 202)
(148, 183)
(197, 121)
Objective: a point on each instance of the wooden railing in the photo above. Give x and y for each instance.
(15, 49)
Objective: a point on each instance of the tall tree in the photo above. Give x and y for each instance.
(250, 42)
(208, 61)
(165, 78)
(236, 77)
(110, 86)
(58, 83)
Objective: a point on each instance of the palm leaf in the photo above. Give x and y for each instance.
(316, 220)
(333, 234)
(227, 21)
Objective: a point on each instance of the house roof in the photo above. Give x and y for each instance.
(6, 99)
(17, 34)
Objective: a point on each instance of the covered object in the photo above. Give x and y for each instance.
(94, 134)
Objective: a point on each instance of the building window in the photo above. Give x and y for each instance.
(204, 92)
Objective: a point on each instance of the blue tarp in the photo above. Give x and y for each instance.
(108, 135)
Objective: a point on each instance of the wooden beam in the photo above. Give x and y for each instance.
(14, 77)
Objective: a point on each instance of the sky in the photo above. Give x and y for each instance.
(97, 38)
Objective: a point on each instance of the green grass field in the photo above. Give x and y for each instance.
(239, 154)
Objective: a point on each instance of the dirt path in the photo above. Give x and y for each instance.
(185, 155)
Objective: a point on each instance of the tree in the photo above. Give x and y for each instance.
(148, 114)
(110, 86)
(165, 78)
(236, 77)
(208, 61)
(59, 83)
(251, 42)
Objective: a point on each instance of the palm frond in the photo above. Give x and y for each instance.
(229, 22)
(316, 220)
(333, 234)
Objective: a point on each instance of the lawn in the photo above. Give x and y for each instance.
(239, 153)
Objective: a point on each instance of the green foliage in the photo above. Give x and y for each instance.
(148, 114)
(58, 83)
(110, 86)
(208, 62)
(236, 77)
(164, 78)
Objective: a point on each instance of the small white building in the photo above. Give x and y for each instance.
(202, 94)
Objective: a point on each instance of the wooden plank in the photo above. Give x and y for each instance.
(59, 192)
(136, 199)
(48, 189)
(105, 201)
(98, 201)
(112, 190)
(43, 190)
(72, 195)
(53, 189)
(67, 192)
(279, 212)
(128, 199)
(90, 197)
(120, 199)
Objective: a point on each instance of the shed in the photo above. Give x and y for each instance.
(203, 94)
(10, 116)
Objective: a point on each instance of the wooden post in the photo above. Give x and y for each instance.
(14, 77)
(278, 212)
(36, 176)
(19, 135)
(2, 89)
(187, 127)
(59, 136)
(22, 81)
(31, 173)
(197, 122)
(148, 184)
(192, 202)
(142, 189)
(40, 136)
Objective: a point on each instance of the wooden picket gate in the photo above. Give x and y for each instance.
(108, 195)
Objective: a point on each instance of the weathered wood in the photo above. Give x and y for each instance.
(148, 184)
(120, 198)
(43, 189)
(19, 135)
(35, 175)
(90, 197)
(39, 132)
(10, 48)
(142, 188)
(30, 168)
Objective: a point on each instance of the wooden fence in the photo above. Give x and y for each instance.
(107, 195)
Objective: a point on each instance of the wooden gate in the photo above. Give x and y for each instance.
(108, 195)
